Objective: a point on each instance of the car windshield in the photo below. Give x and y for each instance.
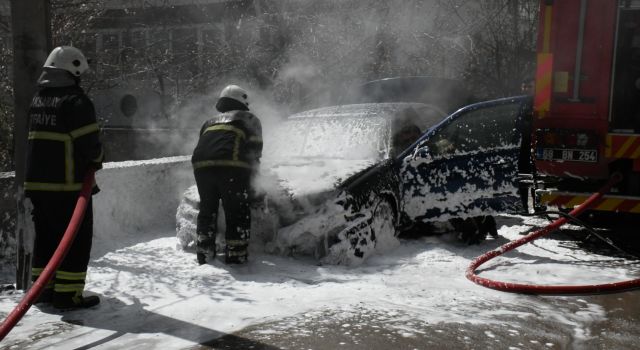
(356, 132)
(340, 136)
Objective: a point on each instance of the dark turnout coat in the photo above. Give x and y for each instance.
(233, 139)
(63, 137)
(63, 145)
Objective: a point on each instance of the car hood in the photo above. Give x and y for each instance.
(299, 186)
(307, 177)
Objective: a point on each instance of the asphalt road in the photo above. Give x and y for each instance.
(329, 330)
(362, 330)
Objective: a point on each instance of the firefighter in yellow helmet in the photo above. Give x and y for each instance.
(224, 161)
(63, 145)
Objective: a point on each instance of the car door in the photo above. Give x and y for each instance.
(466, 165)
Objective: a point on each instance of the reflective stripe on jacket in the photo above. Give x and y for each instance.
(63, 140)
(233, 139)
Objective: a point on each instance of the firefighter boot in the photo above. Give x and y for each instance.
(205, 244)
(74, 300)
(45, 297)
(236, 252)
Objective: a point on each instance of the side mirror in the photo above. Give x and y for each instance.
(422, 152)
(382, 153)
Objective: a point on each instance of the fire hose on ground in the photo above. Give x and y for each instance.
(63, 248)
(549, 289)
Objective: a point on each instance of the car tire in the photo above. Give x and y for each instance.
(383, 229)
(369, 234)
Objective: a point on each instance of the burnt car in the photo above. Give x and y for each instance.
(463, 167)
(308, 156)
(343, 191)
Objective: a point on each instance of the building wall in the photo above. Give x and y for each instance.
(181, 31)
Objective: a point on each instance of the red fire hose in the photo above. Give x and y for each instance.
(538, 289)
(63, 248)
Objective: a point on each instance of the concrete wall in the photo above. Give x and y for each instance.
(7, 227)
(137, 202)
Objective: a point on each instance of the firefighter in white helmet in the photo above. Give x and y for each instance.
(224, 161)
(63, 146)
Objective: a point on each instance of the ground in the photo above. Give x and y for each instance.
(155, 296)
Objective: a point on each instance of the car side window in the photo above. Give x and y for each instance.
(478, 129)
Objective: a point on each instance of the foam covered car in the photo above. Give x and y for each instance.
(310, 154)
(343, 182)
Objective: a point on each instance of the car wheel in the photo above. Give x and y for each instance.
(370, 233)
(383, 226)
(381, 232)
(474, 230)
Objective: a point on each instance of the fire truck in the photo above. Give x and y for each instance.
(586, 118)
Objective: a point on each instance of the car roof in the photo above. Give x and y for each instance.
(448, 94)
(386, 110)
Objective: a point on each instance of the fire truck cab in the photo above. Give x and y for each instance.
(586, 120)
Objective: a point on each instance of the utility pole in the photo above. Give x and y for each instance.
(31, 29)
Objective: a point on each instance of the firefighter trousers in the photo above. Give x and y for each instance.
(231, 186)
(51, 215)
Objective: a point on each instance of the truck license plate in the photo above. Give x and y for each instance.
(570, 155)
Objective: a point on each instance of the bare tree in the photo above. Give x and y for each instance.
(303, 52)
(6, 96)
(503, 34)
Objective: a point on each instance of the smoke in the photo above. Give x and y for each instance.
(336, 46)
(297, 55)
(195, 113)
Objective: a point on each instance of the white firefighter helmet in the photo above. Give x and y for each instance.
(68, 58)
(236, 93)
